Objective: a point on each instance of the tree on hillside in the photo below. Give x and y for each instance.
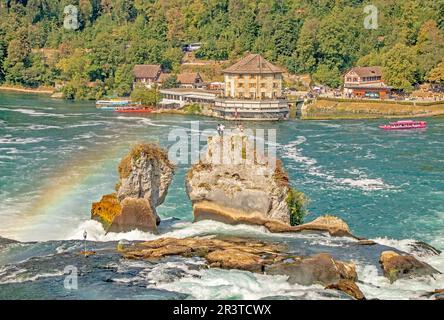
(436, 75)
(171, 59)
(329, 76)
(430, 47)
(170, 82)
(306, 54)
(337, 39)
(123, 80)
(3, 51)
(400, 67)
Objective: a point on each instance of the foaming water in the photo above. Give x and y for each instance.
(235, 284)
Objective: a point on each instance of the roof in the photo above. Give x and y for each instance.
(253, 63)
(188, 78)
(146, 70)
(163, 77)
(367, 71)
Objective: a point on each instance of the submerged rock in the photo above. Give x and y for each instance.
(396, 266)
(237, 184)
(145, 175)
(318, 269)
(422, 249)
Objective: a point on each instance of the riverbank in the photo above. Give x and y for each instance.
(42, 90)
(338, 109)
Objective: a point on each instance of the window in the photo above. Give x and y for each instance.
(241, 76)
(277, 76)
(252, 76)
(275, 85)
(263, 85)
(355, 79)
(252, 85)
(349, 79)
(240, 85)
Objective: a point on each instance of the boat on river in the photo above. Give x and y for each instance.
(404, 125)
(111, 104)
(134, 109)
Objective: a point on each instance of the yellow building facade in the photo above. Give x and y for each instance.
(253, 77)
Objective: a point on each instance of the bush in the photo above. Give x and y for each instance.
(192, 109)
(296, 202)
(147, 97)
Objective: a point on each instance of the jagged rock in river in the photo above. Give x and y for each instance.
(334, 225)
(145, 175)
(348, 287)
(396, 266)
(255, 256)
(235, 184)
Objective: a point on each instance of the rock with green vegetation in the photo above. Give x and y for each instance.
(236, 184)
(145, 174)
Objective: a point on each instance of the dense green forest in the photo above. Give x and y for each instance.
(320, 37)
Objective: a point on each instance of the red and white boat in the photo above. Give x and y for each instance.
(404, 124)
(137, 109)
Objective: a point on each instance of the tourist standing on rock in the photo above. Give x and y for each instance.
(222, 128)
(218, 129)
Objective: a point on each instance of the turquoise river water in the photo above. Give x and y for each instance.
(57, 157)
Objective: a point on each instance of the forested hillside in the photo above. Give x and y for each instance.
(320, 37)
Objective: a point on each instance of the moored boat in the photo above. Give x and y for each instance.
(110, 104)
(133, 109)
(404, 124)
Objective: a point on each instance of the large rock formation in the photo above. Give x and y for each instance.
(145, 175)
(236, 184)
(397, 266)
(255, 256)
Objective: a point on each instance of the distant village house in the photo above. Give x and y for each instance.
(147, 74)
(365, 82)
(190, 80)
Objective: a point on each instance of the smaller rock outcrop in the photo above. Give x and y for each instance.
(106, 210)
(396, 266)
(349, 287)
(333, 225)
(145, 175)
